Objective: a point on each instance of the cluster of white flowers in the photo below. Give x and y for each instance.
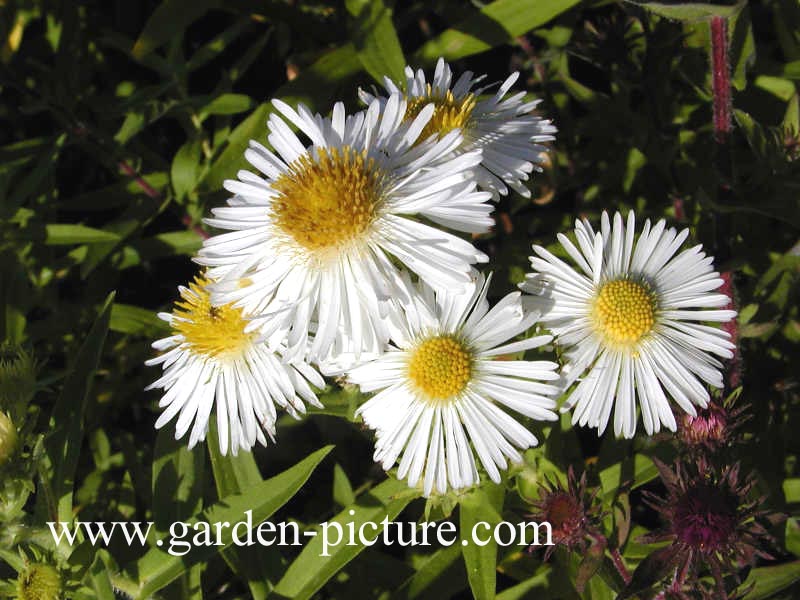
(342, 256)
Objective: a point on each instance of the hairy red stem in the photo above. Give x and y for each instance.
(721, 79)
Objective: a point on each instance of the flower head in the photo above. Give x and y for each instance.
(440, 388)
(713, 427)
(313, 242)
(709, 517)
(211, 360)
(504, 128)
(630, 320)
(571, 511)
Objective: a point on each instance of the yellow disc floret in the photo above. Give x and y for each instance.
(450, 112)
(330, 200)
(440, 367)
(624, 311)
(213, 331)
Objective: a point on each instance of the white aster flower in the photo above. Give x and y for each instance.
(631, 320)
(313, 240)
(210, 361)
(503, 128)
(441, 388)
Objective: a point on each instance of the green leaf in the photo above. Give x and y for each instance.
(14, 297)
(227, 104)
(126, 318)
(692, 11)
(172, 243)
(496, 24)
(157, 568)
(64, 235)
(99, 578)
(309, 571)
(342, 490)
(483, 505)
(177, 481)
(168, 22)
(523, 590)
(233, 475)
(185, 168)
(66, 422)
(791, 489)
(636, 471)
(376, 40)
(177, 486)
(433, 571)
(767, 581)
(793, 536)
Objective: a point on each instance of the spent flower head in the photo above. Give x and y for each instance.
(711, 519)
(571, 510)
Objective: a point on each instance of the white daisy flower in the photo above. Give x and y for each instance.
(316, 238)
(210, 359)
(440, 388)
(503, 128)
(631, 319)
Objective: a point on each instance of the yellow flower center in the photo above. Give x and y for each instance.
(328, 201)
(440, 367)
(212, 331)
(450, 113)
(624, 311)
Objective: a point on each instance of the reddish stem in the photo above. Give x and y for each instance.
(140, 181)
(153, 193)
(721, 79)
(616, 558)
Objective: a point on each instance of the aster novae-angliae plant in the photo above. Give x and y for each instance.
(441, 394)
(211, 362)
(318, 236)
(504, 127)
(629, 316)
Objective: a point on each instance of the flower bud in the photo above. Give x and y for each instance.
(8, 438)
(39, 582)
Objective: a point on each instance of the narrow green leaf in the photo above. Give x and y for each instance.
(65, 234)
(483, 506)
(14, 297)
(495, 24)
(233, 475)
(227, 104)
(177, 481)
(185, 168)
(157, 568)
(99, 577)
(172, 243)
(423, 582)
(167, 22)
(791, 489)
(126, 318)
(342, 490)
(311, 570)
(66, 422)
(767, 581)
(636, 471)
(692, 11)
(524, 589)
(376, 40)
